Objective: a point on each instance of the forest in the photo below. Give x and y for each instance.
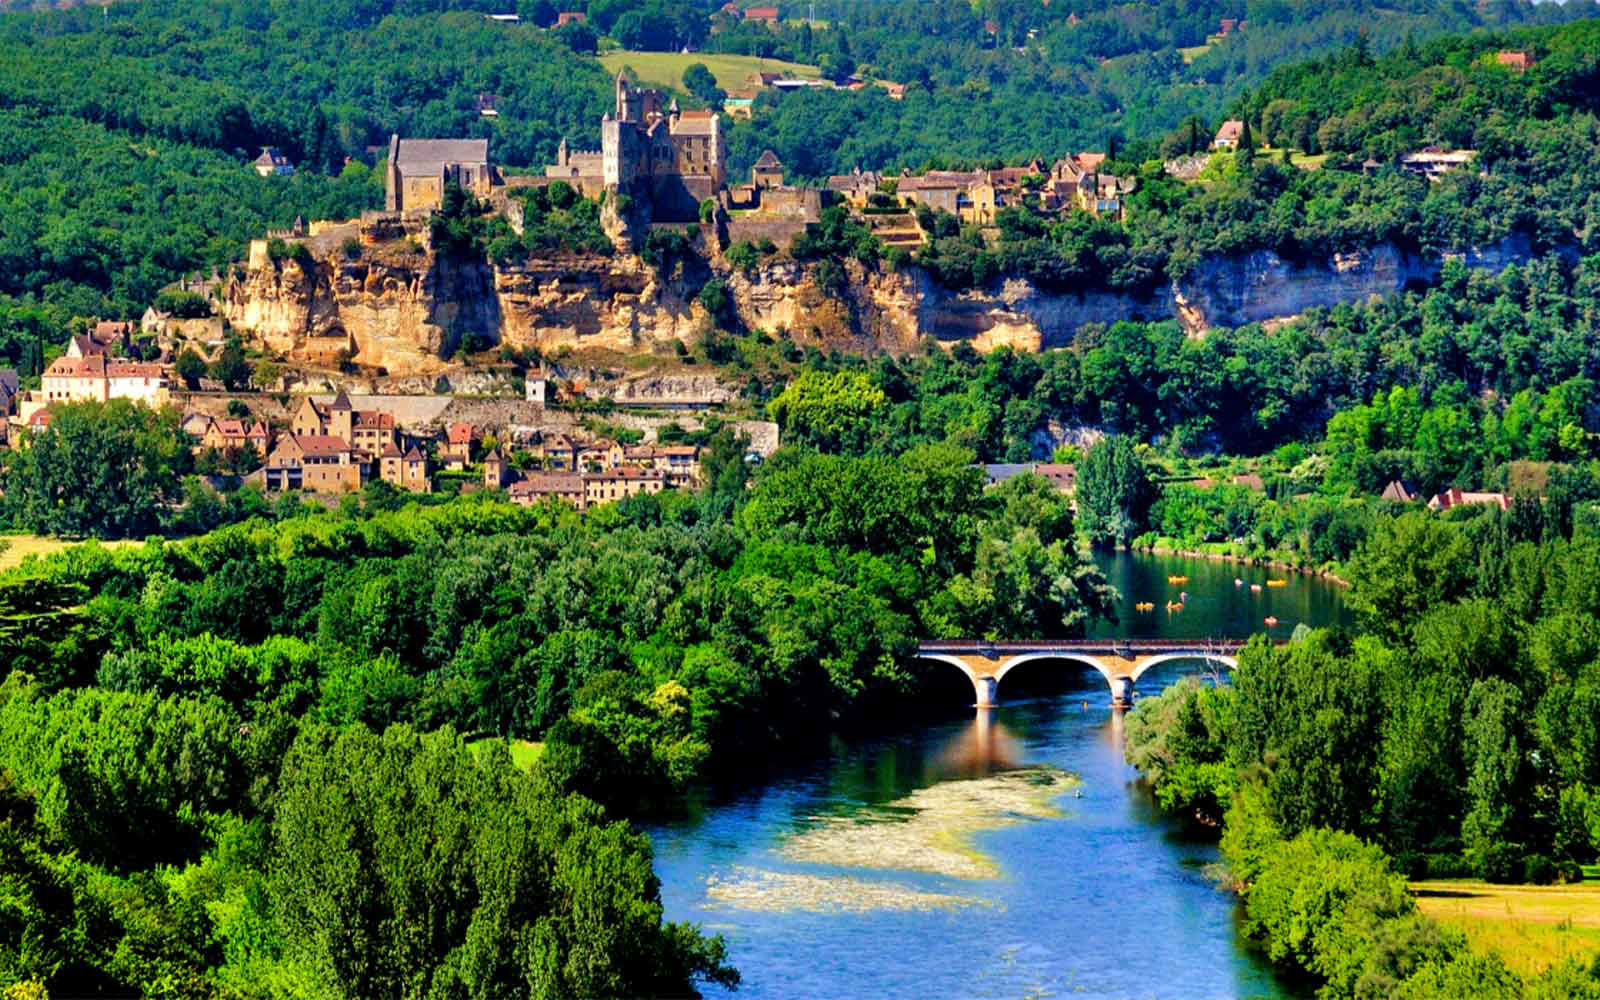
(190, 728)
(1450, 733)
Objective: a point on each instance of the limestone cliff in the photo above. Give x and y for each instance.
(405, 310)
(409, 311)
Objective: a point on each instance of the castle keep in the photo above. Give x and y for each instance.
(649, 149)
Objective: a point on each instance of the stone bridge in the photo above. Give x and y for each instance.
(1119, 661)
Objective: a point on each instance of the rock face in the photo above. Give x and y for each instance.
(408, 311)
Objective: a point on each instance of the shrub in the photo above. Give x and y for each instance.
(1537, 869)
(351, 248)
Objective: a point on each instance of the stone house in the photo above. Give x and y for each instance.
(598, 455)
(494, 470)
(766, 15)
(1229, 135)
(230, 435)
(678, 464)
(1399, 491)
(418, 170)
(94, 378)
(537, 486)
(559, 452)
(1456, 497)
(317, 463)
(272, 163)
(621, 483)
(457, 450)
(407, 472)
(369, 431)
(1517, 61)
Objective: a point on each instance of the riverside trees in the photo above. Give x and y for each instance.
(1449, 734)
(275, 709)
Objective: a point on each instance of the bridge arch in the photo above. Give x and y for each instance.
(1231, 662)
(983, 688)
(1085, 658)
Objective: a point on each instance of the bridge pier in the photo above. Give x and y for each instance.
(1121, 692)
(986, 686)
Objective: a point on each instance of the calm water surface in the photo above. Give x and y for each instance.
(1009, 856)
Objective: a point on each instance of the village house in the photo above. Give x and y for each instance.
(316, 463)
(1399, 491)
(1456, 497)
(368, 431)
(230, 435)
(107, 337)
(418, 170)
(1433, 163)
(740, 103)
(272, 163)
(494, 470)
(536, 486)
(765, 15)
(598, 455)
(94, 378)
(10, 386)
(457, 450)
(679, 464)
(407, 472)
(559, 452)
(1063, 477)
(1229, 135)
(566, 17)
(621, 483)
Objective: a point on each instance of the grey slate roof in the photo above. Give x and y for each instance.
(429, 155)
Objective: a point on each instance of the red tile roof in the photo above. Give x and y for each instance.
(320, 444)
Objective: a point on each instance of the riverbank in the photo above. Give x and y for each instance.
(1169, 547)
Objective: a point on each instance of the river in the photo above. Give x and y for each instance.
(1008, 854)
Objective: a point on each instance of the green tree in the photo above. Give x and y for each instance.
(697, 80)
(108, 470)
(191, 368)
(1114, 492)
(831, 412)
(554, 894)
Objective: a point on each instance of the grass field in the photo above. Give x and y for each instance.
(523, 752)
(15, 548)
(665, 69)
(1192, 53)
(1531, 926)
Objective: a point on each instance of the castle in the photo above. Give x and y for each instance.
(649, 149)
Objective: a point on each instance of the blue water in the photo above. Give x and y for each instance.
(1107, 899)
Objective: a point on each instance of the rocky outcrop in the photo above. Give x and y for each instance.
(407, 311)
(1262, 286)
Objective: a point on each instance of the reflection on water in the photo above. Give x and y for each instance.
(1003, 854)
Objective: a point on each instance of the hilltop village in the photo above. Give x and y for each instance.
(658, 168)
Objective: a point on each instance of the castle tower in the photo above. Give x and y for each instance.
(562, 157)
(622, 97)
